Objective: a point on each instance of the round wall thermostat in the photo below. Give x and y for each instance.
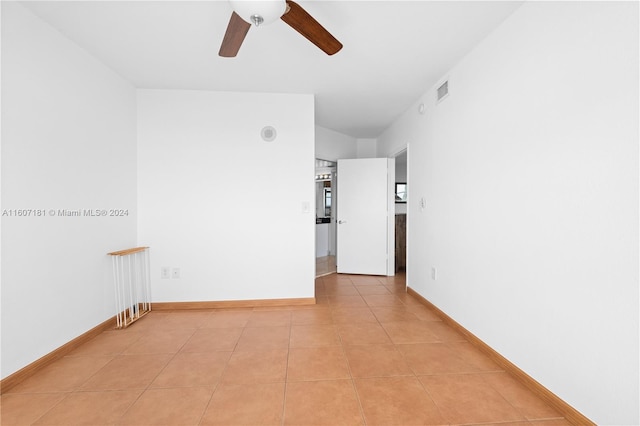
(268, 133)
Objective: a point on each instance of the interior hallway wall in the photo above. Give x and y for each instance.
(332, 145)
(367, 148)
(529, 170)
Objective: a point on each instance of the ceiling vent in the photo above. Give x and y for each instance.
(443, 90)
(268, 134)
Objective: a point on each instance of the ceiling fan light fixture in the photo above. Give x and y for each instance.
(259, 12)
(257, 20)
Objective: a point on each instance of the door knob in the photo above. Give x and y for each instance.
(340, 222)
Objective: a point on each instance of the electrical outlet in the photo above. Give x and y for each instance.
(434, 273)
(165, 272)
(175, 273)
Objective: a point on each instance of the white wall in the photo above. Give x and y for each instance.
(221, 204)
(68, 142)
(320, 199)
(530, 173)
(366, 148)
(332, 145)
(322, 240)
(401, 172)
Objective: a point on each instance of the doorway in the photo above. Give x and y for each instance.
(401, 197)
(325, 181)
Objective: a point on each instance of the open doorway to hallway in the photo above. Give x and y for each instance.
(401, 197)
(326, 214)
(325, 181)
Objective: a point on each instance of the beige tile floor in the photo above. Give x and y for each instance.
(367, 353)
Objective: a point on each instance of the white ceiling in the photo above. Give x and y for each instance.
(393, 50)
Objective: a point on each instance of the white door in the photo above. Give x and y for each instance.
(362, 219)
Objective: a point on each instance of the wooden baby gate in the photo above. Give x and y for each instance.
(131, 275)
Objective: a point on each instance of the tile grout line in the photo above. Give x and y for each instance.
(286, 374)
(124, 413)
(226, 366)
(218, 382)
(121, 353)
(415, 375)
(353, 381)
(78, 389)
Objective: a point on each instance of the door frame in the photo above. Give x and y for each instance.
(391, 217)
(396, 154)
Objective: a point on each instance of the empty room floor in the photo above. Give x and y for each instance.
(367, 353)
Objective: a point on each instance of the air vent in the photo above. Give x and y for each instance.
(268, 134)
(443, 90)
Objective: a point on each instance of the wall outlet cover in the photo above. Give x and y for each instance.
(165, 272)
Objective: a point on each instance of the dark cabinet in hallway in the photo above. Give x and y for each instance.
(401, 242)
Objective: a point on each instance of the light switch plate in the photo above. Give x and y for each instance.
(175, 273)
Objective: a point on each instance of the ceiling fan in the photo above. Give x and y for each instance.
(264, 12)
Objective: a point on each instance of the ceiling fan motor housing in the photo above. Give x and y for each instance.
(259, 12)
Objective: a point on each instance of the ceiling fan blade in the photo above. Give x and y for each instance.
(298, 19)
(233, 38)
